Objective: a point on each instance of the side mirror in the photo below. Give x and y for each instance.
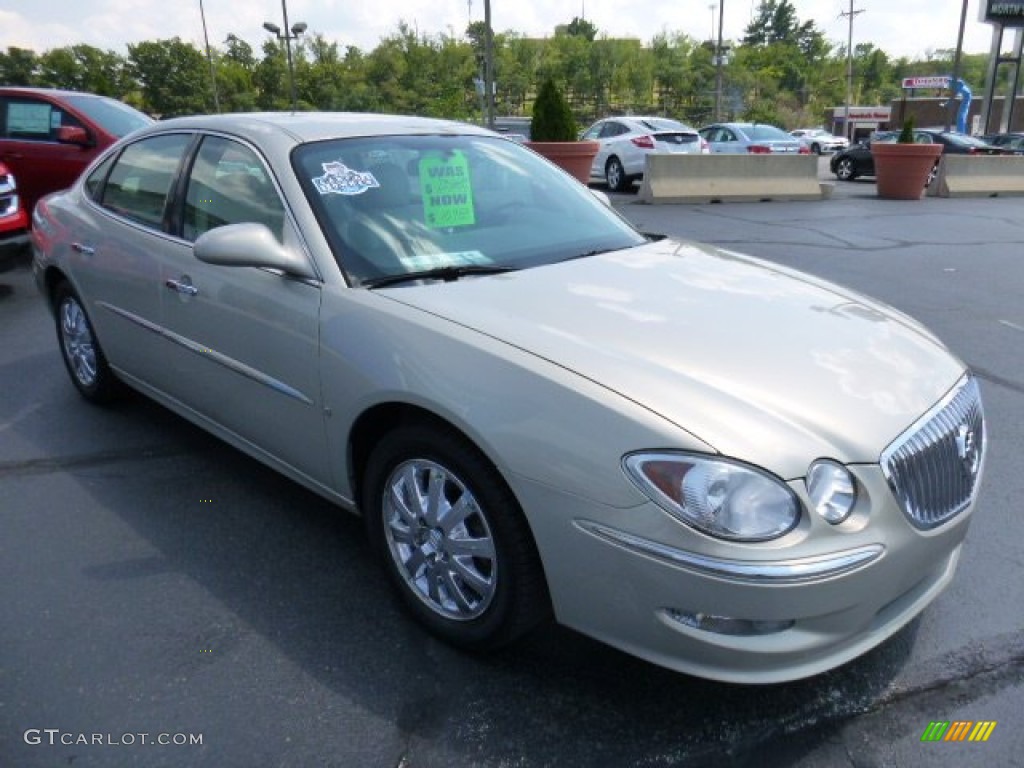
(73, 134)
(248, 245)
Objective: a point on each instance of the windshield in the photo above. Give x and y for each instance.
(392, 205)
(116, 117)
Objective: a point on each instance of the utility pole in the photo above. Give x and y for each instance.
(488, 65)
(719, 54)
(847, 124)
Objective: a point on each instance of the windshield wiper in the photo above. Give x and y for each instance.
(447, 274)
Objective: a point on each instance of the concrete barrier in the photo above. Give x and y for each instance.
(731, 178)
(978, 176)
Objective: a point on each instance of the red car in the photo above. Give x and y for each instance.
(47, 136)
(13, 219)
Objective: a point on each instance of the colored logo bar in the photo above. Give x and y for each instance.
(959, 730)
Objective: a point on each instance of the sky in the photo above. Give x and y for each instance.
(911, 28)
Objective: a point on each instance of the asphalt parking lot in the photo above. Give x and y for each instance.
(154, 581)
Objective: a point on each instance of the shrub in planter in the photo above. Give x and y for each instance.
(552, 117)
(902, 169)
(553, 133)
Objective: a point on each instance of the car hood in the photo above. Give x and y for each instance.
(765, 364)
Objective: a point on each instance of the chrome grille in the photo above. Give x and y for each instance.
(933, 468)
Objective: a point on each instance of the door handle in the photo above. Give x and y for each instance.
(85, 250)
(186, 289)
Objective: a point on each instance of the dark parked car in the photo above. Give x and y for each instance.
(1011, 141)
(858, 161)
(47, 136)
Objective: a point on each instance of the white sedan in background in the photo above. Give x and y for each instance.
(626, 142)
(818, 140)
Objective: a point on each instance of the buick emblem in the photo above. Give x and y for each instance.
(968, 450)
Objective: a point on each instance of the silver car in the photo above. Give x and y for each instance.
(626, 142)
(751, 139)
(709, 461)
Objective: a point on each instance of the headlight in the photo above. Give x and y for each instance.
(831, 489)
(719, 497)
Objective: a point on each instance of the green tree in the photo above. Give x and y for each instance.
(775, 22)
(84, 68)
(18, 66)
(173, 76)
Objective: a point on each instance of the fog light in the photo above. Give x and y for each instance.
(832, 490)
(725, 625)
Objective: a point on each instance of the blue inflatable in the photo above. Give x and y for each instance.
(964, 92)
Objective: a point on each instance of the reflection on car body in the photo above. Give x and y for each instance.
(714, 463)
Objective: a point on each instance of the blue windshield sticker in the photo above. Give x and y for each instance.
(339, 179)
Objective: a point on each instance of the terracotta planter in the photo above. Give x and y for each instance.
(575, 157)
(901, 170)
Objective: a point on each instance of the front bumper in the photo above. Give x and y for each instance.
(822, 595)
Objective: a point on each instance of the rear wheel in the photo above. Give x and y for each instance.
(844, 169)
(81, 351)
(615, 175)
(453, 538)
(816, 148)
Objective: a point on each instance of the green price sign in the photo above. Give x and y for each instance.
(446, 191)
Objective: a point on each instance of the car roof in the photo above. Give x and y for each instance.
(49, 91)
(302, 127)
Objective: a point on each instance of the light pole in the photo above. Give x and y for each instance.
(296, 29)
(719, 55)
(488, 65)
(209, 58)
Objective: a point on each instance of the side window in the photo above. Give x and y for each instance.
(229, 184)
(593, 132)
(28, 119)
(608, 130)
(141, 179)
(94, 184)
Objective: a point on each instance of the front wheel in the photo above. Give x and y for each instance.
(615, 175)
(844, 169)
(453, 538)
(81, 351)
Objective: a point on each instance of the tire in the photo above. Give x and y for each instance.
(816, 148)
(453, 539)
(844, 169)
(615, 175)
(81, 351)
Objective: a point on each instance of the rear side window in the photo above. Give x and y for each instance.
(26, 119)
(94, 183)
(141, 179)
